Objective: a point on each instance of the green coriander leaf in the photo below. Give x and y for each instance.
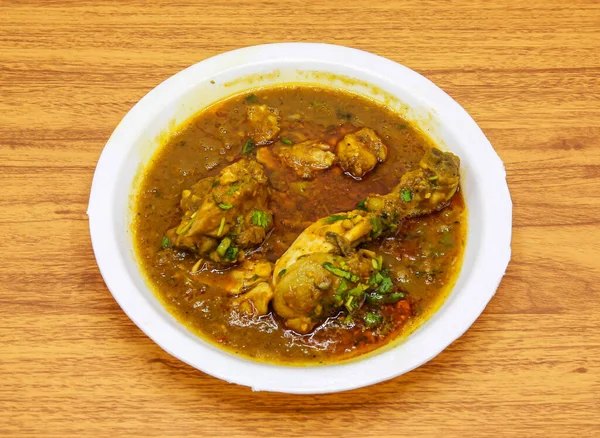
(225, 205)
(406, 195)
(251, 98)
(231, 253)
(357, 291)
(350, 304)
(223, 246)
(376, 224)
(334, 218)
(372, 319)
(286, 141)
(259, 218)
(231, 190)
(343, 287)
(248, 146)
(341, 273)
(394, 298)
(386, 284)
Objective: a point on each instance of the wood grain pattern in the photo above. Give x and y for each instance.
(72, 363)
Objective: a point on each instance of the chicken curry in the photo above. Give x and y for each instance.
(300, 225)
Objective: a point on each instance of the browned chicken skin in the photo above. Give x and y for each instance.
(306, 158)
(297, 277)
(225, 215)
(360, 152)
(265, 123)
(307, 279)
(420, 191)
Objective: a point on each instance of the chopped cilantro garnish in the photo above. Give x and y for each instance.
(260, 218)
(395, 297)
(376, 224)
(372, 319)
(343, 287)
(362, 205)
(382, 282)
(386, 285)
(354, 298)
(286, 141)
(283, 271)
(223, 246)
(248, 146)
(215, 183)
(231, 253)
(350, 304)
(376, 279)
(231, 190)
(377, 299)
(251, 98)
(334, 218)
(166, 243)
(225, 205)
(340, 293)
(341, 273)
(406, 195)
(357, 291)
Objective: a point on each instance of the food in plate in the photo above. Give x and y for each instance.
(300, 225)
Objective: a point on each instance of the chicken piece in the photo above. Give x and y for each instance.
(248, 283)
(360, 152)
(264, 122)
(306, 158)
(267, 158)
(312, 288)
(225, 215)
(296, 297)
(248, 274)
(255, 302)
(307, 277)
(354, 227)
(438, 172)
(420, 191)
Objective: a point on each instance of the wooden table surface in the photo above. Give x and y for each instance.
(72, 363)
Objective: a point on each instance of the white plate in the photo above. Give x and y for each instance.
(133, 142)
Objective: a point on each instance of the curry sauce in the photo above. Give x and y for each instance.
(415, 258)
